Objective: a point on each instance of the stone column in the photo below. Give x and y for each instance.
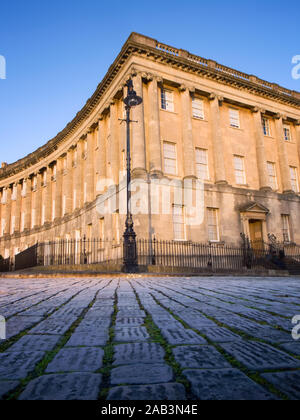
(18, 207)
(187, 134)
(38, 200)
(28, 204)
(218, 146)
(89, 175)
(260, 150)
(297, 126)
(8, 207)
(68, 182)
(48, 197)
(58, 190)
(155, 153)
(114, 143)
(78, 177)
(138, 133)
(101, 160)
(282, 156)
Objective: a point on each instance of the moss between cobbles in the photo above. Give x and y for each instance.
(235, 363)
(40, 368)
(157, 337)
(108, 354)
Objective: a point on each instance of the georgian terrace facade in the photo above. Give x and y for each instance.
(199, 119)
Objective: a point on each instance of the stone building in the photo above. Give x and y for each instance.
(238, 134)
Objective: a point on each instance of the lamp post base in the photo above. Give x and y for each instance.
(130, 250)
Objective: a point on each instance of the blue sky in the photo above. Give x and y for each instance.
(57, 51)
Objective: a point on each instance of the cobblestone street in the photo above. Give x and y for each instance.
(153, 338)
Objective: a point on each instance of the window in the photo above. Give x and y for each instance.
(116, 226)
(22, 221)
(24, 188)
(75, 154)
(101, 229)
(272, 175)
(43, 214)
(65, 162)
(170, 158)
(234, 118)
(34, 183)
(294, 178)
(287, 132)
(266, 126)
(13, 225)
(285, 219)
(54, 172)
(44, 178)
(4, 196)
(85, 149)
(32, 218)
(197, 108)
(239, 169)
(85, 192)
(213, 225)
(53, 209)
(64, 205)
(167, 100)
(14, 193)
(178, 223)
(202, 164)
(2, 226)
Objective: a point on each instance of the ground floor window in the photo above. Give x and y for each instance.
(213, 224)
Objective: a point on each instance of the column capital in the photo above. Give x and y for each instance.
(280, 116)
(214, 95)
(297, 123)
(258, 109)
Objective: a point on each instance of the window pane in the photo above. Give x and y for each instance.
(198, 110)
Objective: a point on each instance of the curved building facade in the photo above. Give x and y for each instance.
(239, 135)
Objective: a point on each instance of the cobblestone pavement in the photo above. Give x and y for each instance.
(150, 338)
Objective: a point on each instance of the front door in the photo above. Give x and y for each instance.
(256, 233)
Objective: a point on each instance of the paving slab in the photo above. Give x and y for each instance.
(141, 374)
(287, 382)
(182, 336)
(131, 334)
(129, 322)
(225, 384)
(292, 347)
(17, 365)
(35, 343)
(72, 386)
(219, 334)
(17, 324)
(158, 392)
(7, 386)
(132, 353)
(199, 357)
(53, 326)
(82, 359)
(88, 339)
(259, 356)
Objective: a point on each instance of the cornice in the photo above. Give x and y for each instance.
(138, 44)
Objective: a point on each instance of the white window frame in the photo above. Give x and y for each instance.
(175, 222)
(200, 163)
(171, 159)
(294, 178)
(234, 118)
(167, 99)
(272, 175)
(266, 126)
(286, 228)
(197, 108)
(216, 225)
(287, 134)
(238, 170)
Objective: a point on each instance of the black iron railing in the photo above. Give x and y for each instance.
(181, 254)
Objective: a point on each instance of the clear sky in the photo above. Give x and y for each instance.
(57, 51)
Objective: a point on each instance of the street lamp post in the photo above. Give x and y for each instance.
(130, 250)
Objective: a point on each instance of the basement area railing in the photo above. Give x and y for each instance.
(204, 257)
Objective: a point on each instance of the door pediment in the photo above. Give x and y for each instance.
(254, 207)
